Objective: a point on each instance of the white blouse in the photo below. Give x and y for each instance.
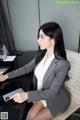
(40, 71)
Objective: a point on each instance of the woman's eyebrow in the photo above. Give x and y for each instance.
(41, 34)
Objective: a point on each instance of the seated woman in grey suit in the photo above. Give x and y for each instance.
(50, 71)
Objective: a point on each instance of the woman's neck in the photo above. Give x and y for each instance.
(50, 51)
(48, 54)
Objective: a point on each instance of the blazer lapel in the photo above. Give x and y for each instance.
(49, 70)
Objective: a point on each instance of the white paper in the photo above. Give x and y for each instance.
(9, 58)
(2, 70)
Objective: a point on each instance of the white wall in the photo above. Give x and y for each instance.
(68, 16)
(24, 17)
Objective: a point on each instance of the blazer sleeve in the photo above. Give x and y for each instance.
(60, 74)
(22, 70)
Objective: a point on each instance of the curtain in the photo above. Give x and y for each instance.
(79, 44)
(6, 37)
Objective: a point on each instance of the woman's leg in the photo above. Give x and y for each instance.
(39, 112)
(37, 107)
(44, 114)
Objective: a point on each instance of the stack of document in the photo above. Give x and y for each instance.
(9, 58)
(6, 59)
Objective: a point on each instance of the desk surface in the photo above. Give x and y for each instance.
(10, 85)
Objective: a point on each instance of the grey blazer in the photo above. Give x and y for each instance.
(53, 90)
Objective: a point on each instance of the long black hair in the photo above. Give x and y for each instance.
(53, 30)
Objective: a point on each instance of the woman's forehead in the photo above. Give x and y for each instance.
(41, 32)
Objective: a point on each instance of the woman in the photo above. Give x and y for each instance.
(50, 72)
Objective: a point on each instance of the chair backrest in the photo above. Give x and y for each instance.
(74, 83)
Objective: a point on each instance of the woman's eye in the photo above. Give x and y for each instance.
(41, 36)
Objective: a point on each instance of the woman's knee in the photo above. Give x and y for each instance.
(37, 107)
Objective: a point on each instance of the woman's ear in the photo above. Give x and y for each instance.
(52, 42)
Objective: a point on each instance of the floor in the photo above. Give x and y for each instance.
(75, 115)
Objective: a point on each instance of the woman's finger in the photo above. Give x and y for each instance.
(14, 96)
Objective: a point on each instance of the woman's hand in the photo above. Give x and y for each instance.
(20, 97)
(3, 77)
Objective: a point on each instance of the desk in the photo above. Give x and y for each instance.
(16, 111)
